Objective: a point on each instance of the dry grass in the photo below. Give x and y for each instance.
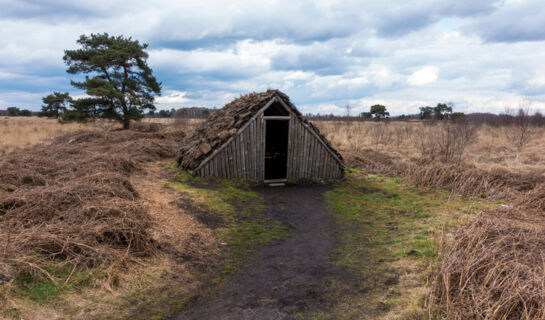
(93, 203)
(23, 131)
(16, 132)
(405, 140)
(495, 268)
(492, 267)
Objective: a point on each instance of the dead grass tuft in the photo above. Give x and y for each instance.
(463, 179)
(495, 268)
(71, 200)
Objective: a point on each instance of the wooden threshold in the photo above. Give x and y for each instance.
(276, 182)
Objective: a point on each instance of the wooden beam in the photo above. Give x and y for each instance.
(276, 117)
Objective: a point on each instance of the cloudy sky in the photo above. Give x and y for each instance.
(482, 55)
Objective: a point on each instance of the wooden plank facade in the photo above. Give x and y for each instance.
(243, 156)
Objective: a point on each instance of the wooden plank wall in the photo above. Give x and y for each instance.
(244, 156)
(307, 156)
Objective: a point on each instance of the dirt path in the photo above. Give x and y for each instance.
(286, 277)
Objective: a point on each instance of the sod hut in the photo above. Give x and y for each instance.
(259, 137)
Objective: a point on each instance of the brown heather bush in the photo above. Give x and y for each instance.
(495, 268)
(462, 179)
(71, 200)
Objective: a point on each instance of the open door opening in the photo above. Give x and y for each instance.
(276, 149)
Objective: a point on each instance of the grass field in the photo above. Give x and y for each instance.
(491, 146)
(397, 213)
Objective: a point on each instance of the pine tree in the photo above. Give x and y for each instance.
(118, 81)
(55, 104)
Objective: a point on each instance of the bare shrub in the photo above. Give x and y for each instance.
(521, 130)
(401, 133)
(446, 142)
(380, 134)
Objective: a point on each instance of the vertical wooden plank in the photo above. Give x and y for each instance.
(313, 158)
(260, 147)
(240, 145)
(240, 152)
(296, 169)
(216, 167)
(229, 161)
(249, 151)
(235, 158)
(332, 167)
(222, 163)
(263, 145)
(248, 154)
(291, 144)
(213, 167)
(234, 164)
(307, 153)
(240, 157)
(318, 160)
(295, 153)
(257, 142)
(301, 139)
(309, 161)
(326, 159)
(322, 161)
(263, 149)
(253, 140)
(252, 149)
(244, 156)
(244, 144)
(317, 149)
(304, 153)
(226, 162)
(288, 167)
(301, 143)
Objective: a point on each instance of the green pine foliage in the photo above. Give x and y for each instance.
(118, 81)
(55, 104)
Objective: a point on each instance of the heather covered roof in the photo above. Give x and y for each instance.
(222, 124)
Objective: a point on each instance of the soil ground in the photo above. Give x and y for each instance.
(286, 277)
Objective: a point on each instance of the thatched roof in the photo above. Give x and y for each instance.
(222, 124)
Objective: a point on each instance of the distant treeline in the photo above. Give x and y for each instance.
(478, 118)
(16, 112)
(186, 112)
(426, 114)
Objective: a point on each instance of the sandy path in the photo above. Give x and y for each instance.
(286, 277)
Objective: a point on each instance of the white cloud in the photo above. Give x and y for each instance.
(424, 76)
(172, 97)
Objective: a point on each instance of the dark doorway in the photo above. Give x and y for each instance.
(276, 149)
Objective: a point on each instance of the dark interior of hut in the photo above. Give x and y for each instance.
(276, 149)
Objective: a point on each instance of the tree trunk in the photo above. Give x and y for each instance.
(126, 124)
